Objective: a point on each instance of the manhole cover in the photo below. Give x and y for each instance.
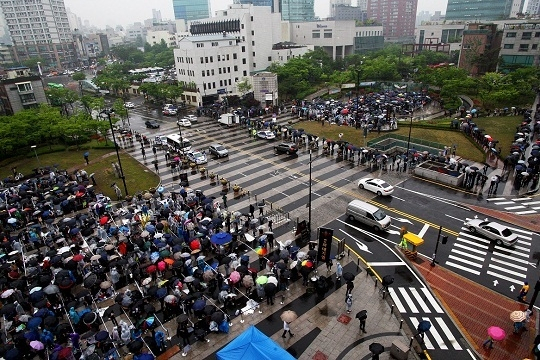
(319, 356)
(345, 319)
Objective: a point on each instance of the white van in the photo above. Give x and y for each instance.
(368, 214)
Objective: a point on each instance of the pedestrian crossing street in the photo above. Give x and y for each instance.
(418, 304)
(519, 206)
(477, 255)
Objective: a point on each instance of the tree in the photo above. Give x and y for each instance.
(32, 63)
(78, 76)
(62, 97)
(120, 110)
(244, 86)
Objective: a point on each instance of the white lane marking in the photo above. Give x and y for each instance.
(526, 212)
(284, 194)
(397, 300)
(475, 272)
(504, 203)
(506, 263)
(513, 258)
(516, 253)
(432, 301)
(475, 237)
(536, 208)
(346, 179)
(448, 333)
(521, 231)
(473, 243)
(397, 198)
(515, 207)
(462, 253)
(387, 263)
(496, 199)
(408, 300)
(499, 276)
(470, 249)
(419, 300)
(531, 203)
(522, 199)
(472, 263)
(453, 217)
(510, 272)
(314, 193)
(423, 231)
(427, 342)
(436, 336)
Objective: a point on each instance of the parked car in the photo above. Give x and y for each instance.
(169, 112)
(197, 157)
(129, 105)
(192, 118)
(160, 140)
(265, 134)
(492, 230)
(151, 124)
(286, 148)
(378, 186)
(218, 150)
(184, 122)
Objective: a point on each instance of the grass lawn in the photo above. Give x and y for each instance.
(138, 177)
(353, 136)
(500, 128)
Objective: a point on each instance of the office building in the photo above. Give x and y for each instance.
(397, 17)
(336, 3)
(520, 46)
(483, 10)
(156, 15)
(274, 4)
(344, 12)
(20, 90)
(480, 45)
(189, 10)
(297, 10)
(533, 7)
(40, 30)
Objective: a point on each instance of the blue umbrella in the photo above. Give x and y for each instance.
(221, 238)
(42, 312)
(31, 335)
(161, 293)
(150, 228)
(102, 335)
(34, 323)
(150, 321)
(145, 356)
(199, 304)
(74, 231)
(423, 326)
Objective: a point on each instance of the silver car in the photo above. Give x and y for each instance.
(218, 150)
(493, 231)
(197, 157)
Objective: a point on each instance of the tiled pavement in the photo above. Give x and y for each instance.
(474, 308)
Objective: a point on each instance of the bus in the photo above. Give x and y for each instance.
(179, 144)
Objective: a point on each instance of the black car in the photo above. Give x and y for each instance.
(287, 148)
(152, 124)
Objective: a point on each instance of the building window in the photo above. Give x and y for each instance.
(243, 49)
(203, 73)
(252, 18)
(254, 65)
(234, 56)
(206, 59)
(244, 73)
(219, 70)
(212, 72)
(219, 58)
(253, 43)
(235, 68)
(510, 34)
(327, 35)
(211, 59)
(269, 58)
(244, 61)
(220, 83)
(523, 47)
(27, 98)
(24, 87)
(537, 34)
(508, 46)
(254, 54)
(316, 35)
(252, 32)
(534, 46)
(227, 57)
(202, 60)
(526, 35)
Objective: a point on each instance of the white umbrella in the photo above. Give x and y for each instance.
(301, 255)
(12, 221)
(64, 249)
(293, 264)
(7, 293)
(37, 288)
(146, 281)
(272, 280)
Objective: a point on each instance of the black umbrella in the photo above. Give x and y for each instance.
(242, 269)
(273, 258)
(50, 322)
(362, 315)
(41, 304)
(269, 288)
(218, 317)
(376, 348)
(89, 318)
(90, 280)
(209, 309)
(226, 260)
(7, 309)
(423, 326)
(182, 318)
(312, 254)
(281, 265)
(135, 346)
(149, 308)
(348, 276)
(152, 290)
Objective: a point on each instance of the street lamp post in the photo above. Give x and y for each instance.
(309, 198)
(35, 153)
(409, 139)
(180, 132)
(117, 154)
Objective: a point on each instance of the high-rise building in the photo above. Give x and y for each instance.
(156, 15)
(40, 31)
(533, 7)
(483, 10)
(297, 10)
(398, 18)
(335, 3)
(189, 10)
(274, 4)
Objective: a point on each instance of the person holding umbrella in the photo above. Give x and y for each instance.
(362, 316)
(288, 317)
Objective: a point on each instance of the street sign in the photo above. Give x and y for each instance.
(325, 244)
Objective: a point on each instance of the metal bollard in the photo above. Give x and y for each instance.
(282, 299)
(376, 282)
(401, 324)
(384, 294)
(255, 198)
(271, 205)
(358, 264)
(348, 251)
(410, 343)
(392, 309)
(242, 318)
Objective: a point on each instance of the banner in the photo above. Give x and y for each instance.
(325, 244)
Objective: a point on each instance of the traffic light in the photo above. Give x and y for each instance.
(445, 239)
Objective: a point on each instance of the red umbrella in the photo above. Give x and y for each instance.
(195, 244)
(161, 266)
(151, 269)
(78, 257)
(345, 111)
(103, 220)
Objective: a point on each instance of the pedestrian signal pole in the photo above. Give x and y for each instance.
(444, 241)
(535, 294)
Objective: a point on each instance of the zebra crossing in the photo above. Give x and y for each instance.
(479, 256)
(519, 206)
(418, 304)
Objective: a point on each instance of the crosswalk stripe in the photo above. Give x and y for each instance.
(397, 300)
(510, 257)
(472, 263)
(521, 231)
(462, 268)
(495, 199)
(504, 203)
(470, 249)
(475, 243)
(408, 300)
(462, 253)
(515, 266)
(507, 271)
(517, 253)
(475, 237)
(432, 301)
(526, 212)
(531, 203)
(427, 342)
(515, 207)
(448, 333)
(522, 199)
(433, 331)
(536, 208)
(499, 276)
(419, 300)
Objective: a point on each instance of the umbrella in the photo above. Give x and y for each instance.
(135, 346)
(235, 276)
(247, 281)
(170, 299)
(189, 279)
(199, 304)
(7, 309)
(102, 335)
(226, 260)
(496, 333)
(261, 251)
(361, 315)
(272, 280)
(182, 318)
(261, 280)
(91, 280)
(517, 316)
(105, 285)
(270, 288)
(423, 326)
(218, 317)
(221, 238)
(281, 265)
(293, 264)
(34, 323)
(348, 276)
(307, 263)
(288, 316)
(7, 293)
(312, 254)
(208, 275)
(89, 318)
(376, 348)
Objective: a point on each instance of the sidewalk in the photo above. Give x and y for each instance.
(474, 308)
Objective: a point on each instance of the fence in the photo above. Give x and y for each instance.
(389, 141)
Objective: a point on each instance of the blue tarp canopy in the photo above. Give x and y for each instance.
(253, 344)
